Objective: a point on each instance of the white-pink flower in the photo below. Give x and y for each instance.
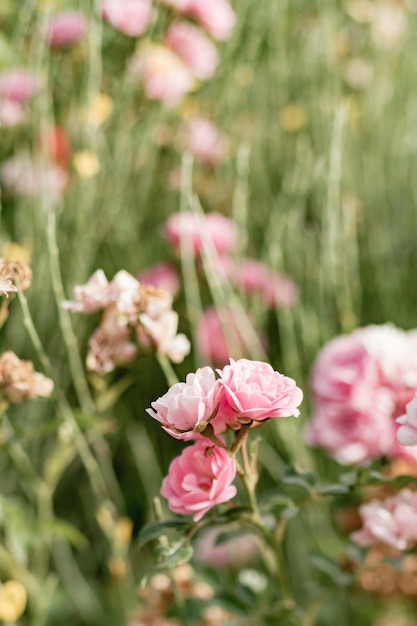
(95, 295)
(198, 231)
(255, 391)
(66, 28)
(392, 522)
(407, 432)
(204, 141)
(162, 275)
(199, 479)
(188, 407)
(18, 84)
(216, 16)
(163, 332)
(194, 48)
(130, 17)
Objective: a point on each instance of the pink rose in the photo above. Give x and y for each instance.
(212, 229)
(66, 28)
(216, 16)
(198, 479)
(194, 49)
(18, 85)
(254, 390)
(392, 522)
(407, 432)
(187, 407)
(130, 17)
(204, 141)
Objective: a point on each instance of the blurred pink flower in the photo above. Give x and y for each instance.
(233, 552)
(163, 332)
(199, 479)
(95, 295)
(197, 230)
(225, 328)
(66, 28)
(11, 113)
(109, 348)
(204, 141)
(130, 17)
(407, 432)
(6, 287)
(255, 391)
(27, 176)
(162, 275)
(165, 76)
(392, 522)
(18, 84)
(273, 289)
(187, 407)
(216, 16)
(193, 47)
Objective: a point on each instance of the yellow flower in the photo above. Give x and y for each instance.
(13, 600)
(99, 110)
(86, 163)
(292, 118)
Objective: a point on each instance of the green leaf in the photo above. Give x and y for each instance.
(155, 530)
(178, 553)
(331, 569)
(333, 490)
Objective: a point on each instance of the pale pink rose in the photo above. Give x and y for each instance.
(32, 177)
(130, 17)
(163, 332)
(218, 335)
(216, 16)
(95, 295)
(204, 141)
(407, 432)
(211, 230)
(165, 76)
(199, 479)
(273, 289)
(162, 275)
(18, 84)
(11, 113)
(66, 28)
(194, 49)
(351, 435)
(392, 522)
(188, 407)
(254, 390)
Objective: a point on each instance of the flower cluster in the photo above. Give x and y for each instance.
(14, 272)
(133, 314)
(245, 394)
(392, 522)
(360, 384)
(18, 379)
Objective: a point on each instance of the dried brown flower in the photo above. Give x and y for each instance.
(18, 379)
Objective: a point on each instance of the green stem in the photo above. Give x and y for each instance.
(168, 370)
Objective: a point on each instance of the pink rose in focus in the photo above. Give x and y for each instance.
(197, 230)
(204, 141)
(188, 407)
(392, 522)
(161, 275)
(199, 479)
(18, 85)
(407, 432)
(66, 28)
(193, 47)
(254, 390)
(216, 16)
(130, 17)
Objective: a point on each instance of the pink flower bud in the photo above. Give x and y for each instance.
(199, 479)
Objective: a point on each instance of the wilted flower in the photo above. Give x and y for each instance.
(16, 270)
(108, 348)
(199, 479)
(18, 379)
(95, 295)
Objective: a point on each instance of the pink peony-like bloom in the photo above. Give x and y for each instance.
(18, 85)
(66, 28)
(163, 275)
(199, 479)
(216, 16)
(392, 522)
(130, 17)
(195, 230)
(407, 432)
(165, 76)
(204, 141)
(255, 391)
(188, 407)
(193, 47)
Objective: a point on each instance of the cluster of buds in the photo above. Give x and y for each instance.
(133, 315)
